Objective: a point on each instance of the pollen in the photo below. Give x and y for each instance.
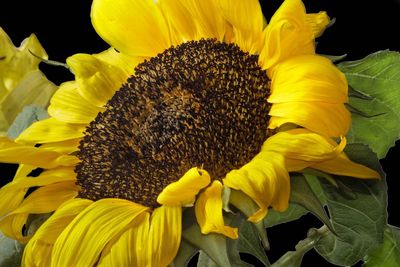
(202, 103)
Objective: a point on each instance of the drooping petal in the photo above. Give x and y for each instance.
(265, 180)
(97, 80)
(302, 148)
(184, 191)
(309, 78)
(38, 250)
(130, 248)
(208, 19)
(342, 165)
(208, 210)
(67, 105)
(82, 241)
(50, 130)
(165, 235)
(136, 28)
(247, 20)
(287, 35)
(324, 118)
(11, 152)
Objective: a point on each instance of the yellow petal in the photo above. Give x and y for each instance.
(124, 62)
(308, 78)
(48, 198)
(82, 241)
(61, 174)
(14, 192)
(130, 248)
(184, 191)
(136, 28)
(50, 130)
(208, 210)
(63, 147)
(287, 35)
(247, 20)
(67, 105)
(11, 152)
(265, 180)
(180, 21)
(324, 118)
(318, 22)
(38, 250)
(97, 80)
(207, 17)
(165, 235)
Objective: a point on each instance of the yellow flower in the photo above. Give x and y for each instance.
(192, 96)
(21, 81)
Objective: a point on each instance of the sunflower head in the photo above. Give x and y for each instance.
(200, 104)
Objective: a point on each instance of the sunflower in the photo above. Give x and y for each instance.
(193, 96)
(21, 81)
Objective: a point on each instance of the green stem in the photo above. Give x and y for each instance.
(294, 258)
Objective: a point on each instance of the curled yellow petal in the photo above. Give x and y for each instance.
(318, 22)
(184, 191)
(265, 180)
(97, 80)
(208, 209)
(287, 35)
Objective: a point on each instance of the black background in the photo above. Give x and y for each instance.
(362, 27)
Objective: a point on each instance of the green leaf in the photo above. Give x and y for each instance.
(302, 194)
(205, 260)
(247, 206)
(185, 254)
(293, 212)
(374, 100)
(10, 252)
(359, 216)
(387, 254)
(249, 242)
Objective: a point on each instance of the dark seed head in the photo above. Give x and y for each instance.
(202, 103)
